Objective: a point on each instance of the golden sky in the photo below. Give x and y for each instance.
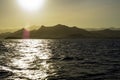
(81, 13)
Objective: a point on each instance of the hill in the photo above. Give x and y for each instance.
(61, 32)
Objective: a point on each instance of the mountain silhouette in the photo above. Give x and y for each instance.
(61, 32)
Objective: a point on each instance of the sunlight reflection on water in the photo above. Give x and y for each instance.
(48, 59)
(31, 60)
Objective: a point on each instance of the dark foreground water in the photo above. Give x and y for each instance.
(60, 59)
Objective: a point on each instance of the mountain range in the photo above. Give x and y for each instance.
(61, 32)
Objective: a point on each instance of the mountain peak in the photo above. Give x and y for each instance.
(61, 26)
(43, 26)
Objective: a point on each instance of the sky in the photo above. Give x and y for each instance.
(81, 13)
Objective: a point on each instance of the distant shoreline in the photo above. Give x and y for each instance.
(61, 32)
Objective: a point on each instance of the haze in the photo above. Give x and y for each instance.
(81, 13)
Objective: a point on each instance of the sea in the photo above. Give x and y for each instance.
(60, 59)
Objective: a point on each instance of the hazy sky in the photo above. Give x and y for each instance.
(81, 13)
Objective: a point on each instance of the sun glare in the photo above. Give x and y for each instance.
(31, 5)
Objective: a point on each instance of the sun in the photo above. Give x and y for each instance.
(31, 5)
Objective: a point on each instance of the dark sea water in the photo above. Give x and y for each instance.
(47, 59)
